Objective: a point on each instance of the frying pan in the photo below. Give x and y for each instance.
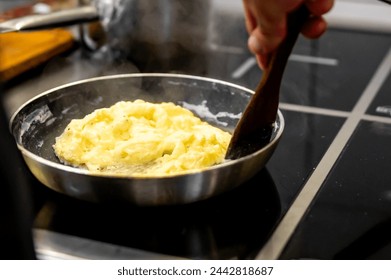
(36, 124)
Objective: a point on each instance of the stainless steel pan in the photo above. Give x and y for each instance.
(36, 124)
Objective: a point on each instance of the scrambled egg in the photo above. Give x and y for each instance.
(141, 138)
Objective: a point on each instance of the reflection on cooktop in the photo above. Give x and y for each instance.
(233, 225)
(350, 218)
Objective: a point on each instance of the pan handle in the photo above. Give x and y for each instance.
(55, 19)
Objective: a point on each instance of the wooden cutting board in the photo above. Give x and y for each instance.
(21, 51)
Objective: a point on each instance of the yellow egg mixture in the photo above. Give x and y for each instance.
(141, 138)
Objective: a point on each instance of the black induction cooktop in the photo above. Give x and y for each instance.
(325, 193)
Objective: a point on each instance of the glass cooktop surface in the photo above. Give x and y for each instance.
(324, 194)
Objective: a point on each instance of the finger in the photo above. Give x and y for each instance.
(319, 7)
(249, 20)
(266, 14)
(289, 5)
(262, 43)
(263, 61)
(314, 27)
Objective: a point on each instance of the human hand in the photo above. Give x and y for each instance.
(266, 23)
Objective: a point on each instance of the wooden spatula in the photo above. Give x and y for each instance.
(255, 127)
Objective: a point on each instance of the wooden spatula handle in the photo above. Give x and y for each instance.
(260, 114)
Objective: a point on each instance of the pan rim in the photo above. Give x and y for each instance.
(280, 125)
